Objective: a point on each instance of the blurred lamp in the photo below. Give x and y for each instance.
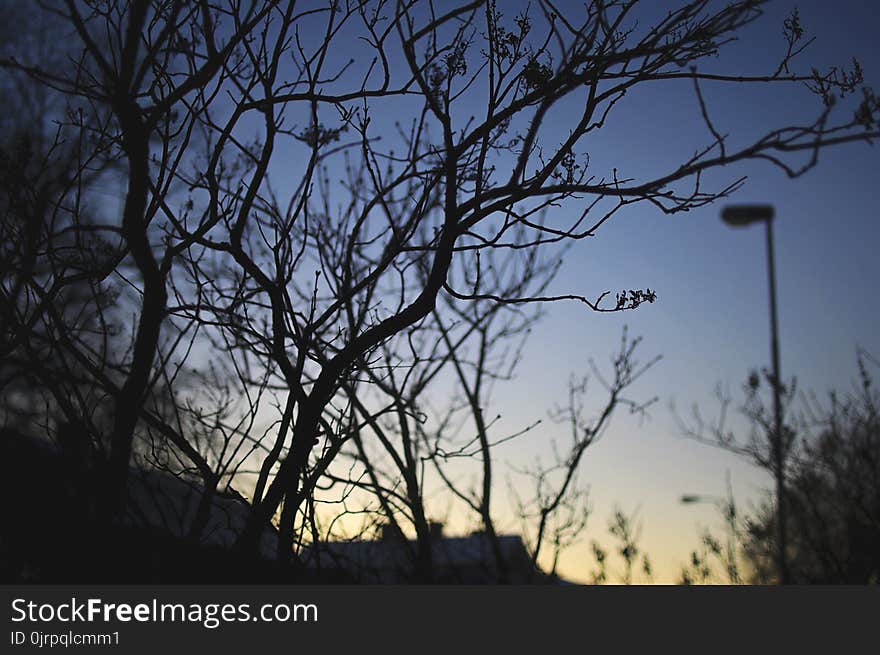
(742, 215)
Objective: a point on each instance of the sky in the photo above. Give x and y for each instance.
(711, 320)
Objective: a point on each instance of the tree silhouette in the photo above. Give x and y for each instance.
(832, 456)
(832, 493)
(288, 210)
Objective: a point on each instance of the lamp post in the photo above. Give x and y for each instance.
(742, 216)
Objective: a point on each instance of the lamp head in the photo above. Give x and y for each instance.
(742, 215)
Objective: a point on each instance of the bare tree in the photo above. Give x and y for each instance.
(420, 441)
(557, 513)
(831, 456)
(459, 351)
(274, 218)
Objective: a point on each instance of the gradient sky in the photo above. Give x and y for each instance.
(711, 321)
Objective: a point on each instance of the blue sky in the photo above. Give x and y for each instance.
(711, 321)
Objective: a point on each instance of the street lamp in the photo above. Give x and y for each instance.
(742, 216)
(690, 499)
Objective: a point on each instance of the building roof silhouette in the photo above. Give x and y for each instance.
(455, 560)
